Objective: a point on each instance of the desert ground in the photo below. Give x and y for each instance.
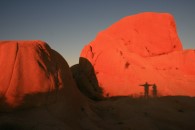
(116, 113)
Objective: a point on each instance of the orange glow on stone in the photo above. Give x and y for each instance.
(138, 49)
(32, 74)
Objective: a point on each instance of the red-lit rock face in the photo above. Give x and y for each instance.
(138, 49)
(32, 74)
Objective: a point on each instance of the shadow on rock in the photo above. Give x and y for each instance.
(86, 80)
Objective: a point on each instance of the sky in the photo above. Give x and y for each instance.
(68, 25)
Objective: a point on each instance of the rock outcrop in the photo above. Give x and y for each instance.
(138, 49)
(86, 79)
(37, 90)
(32, 69)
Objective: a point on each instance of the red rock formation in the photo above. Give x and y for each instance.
(140, 48)
(32, 74)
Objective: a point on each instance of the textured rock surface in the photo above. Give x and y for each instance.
(138, 49)
(37, 90)
(31, 69)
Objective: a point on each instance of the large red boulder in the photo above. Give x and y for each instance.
(37, 89)
(138, 49)
(32, 75)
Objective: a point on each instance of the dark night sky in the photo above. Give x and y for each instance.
(67, 25)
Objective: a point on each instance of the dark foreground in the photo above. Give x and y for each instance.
(117, 113)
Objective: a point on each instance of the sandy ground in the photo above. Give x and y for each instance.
(164, 113)
(116, 113)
